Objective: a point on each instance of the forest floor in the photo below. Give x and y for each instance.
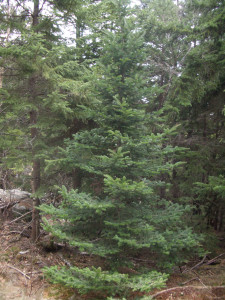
(21, 264)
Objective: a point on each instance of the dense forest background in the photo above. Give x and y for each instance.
(116, 109)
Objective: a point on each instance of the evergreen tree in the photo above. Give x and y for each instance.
(118, 213)
(39, 99)
(198, 97)
(186, 71)
(165, 27)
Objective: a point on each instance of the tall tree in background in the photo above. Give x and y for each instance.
(185, 45)
(36, 164)
(38, 97)
(165, 27)
(198, 95)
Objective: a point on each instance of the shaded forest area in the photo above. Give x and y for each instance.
(112, 117)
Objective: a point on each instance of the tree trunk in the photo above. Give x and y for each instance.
(35, 14)
(35, 182)
(36, 174)
(2, 69)
(1, 76)
(175, 186)
(77, 178)
(220, 218)
(36, 179)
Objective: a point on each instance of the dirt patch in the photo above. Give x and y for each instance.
(206, 281)
(21, 264)
(11, 290)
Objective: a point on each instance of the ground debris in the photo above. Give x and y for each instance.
(21, 264)
(192, 292)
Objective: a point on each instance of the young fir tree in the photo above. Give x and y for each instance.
(118, 214)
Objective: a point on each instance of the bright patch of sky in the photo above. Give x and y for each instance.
(135, 2)
(68, 30)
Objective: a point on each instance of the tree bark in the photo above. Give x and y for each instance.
(36, 173)
(2, 69)
(36, 177)
(77, 178)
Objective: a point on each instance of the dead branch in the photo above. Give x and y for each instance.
(199, 279)
(203, 262)
(178, 288)
(66, 262)
(33, 273)
(27, 213)
(6, 205)
(196, 266)
(214, 259)
(25, 275)
(22, 233)
(170, 290)
(190, 280)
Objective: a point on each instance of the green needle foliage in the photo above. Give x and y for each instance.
(118, 213)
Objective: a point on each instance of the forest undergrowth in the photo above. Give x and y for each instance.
(21, 264)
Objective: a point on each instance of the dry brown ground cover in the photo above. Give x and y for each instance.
(21, 264)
